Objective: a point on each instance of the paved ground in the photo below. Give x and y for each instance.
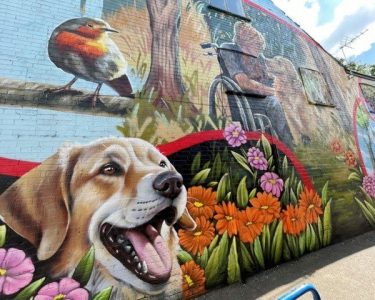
(342, 271)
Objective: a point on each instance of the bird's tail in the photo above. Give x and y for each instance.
(122, 86)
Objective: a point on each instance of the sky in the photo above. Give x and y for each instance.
(333, 23)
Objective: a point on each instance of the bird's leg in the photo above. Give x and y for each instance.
(64, 87)
(95, 96)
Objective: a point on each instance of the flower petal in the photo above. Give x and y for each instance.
(67, 284)
(43, 297)
(14, 284)
(25, 267)
(3, 252)
(51, 289)
(13, 258)
(2, 280)
(78, 294)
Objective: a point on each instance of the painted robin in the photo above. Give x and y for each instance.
(82, 47)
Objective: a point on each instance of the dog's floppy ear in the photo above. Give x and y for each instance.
(186, 221)
(36, 206)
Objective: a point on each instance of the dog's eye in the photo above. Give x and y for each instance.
(90, 25)
(111, 169)
(163, 164)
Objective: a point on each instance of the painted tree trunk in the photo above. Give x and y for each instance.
(165, 75)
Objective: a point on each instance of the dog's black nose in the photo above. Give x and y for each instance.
(169, 184)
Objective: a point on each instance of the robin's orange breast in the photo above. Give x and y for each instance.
(86, 47)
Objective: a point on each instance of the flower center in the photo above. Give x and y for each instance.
(249, 223)
(59, 297)
(228, 218)
(198, 233)
(198, 204)
(272, 181)
(256, 158)
(293, 219)
(265, 207)
(235, 133)
(3, 272)
(311, 206)
(188, 280)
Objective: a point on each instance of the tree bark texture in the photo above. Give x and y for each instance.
(165, 75)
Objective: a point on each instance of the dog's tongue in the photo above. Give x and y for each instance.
(151, 248)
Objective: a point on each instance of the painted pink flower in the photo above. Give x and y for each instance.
(65, 289)
(271, 183)
(235, 135)
(369, 185)
(256, 159)
(16, 270)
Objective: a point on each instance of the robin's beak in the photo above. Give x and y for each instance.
(110, 29)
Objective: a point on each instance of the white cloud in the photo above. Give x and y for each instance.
(349, 19)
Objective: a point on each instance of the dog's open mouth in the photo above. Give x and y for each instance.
(142, 250)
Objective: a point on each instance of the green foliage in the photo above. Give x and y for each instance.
(104, 294)
(3, 233)
(83, 271)
(30, 290)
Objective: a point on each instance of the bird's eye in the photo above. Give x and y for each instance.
(163, 164)
(90, 25)
(111, 169)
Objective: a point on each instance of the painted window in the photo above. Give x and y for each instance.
(316, 87)
(368, 92)
(232, 6)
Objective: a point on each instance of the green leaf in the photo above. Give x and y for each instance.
(213, 245)
(277, 243)
(285, 198)
(368, 197)
(3, 235)
(325, 194)
(223, 187)
(242, 161)
(200, 177)
(216, 268)
(83, 271)
(292, 243)
(228, 197)
(293, 198)
(299, 188)
(206, 165)
(286, 251)
(370, 218)
(354, 177)
(242, 193)
(203, 259)
(252, 193)
(259, 253)
(308, 237)
(212, 184)
(285, 166)
(312, 243)
(302, 242)
(270, 161)
(234, 272)
(196, 164)
(266, 241)
(216, 167)
(327, 225)
(104, 294)
(370, 208)
(30, 290)
(320, 231)
(183, 257)
(246, 260)
(266, 147)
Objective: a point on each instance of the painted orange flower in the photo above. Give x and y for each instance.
(311, 204)
(250, 224)
(201, 202)
(293, 220)
(267, 205)
(193, 280)
(350, 160)
(195, 241)
(227, 218)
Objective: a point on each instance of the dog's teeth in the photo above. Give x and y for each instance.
(128, 249)
(117, 251)
(120, 239)
(132, 254)
(139, 266)
(144, 267)
(136, 259)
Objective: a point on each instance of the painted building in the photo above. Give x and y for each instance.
(162, 148)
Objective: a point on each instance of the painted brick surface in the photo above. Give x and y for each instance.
(163, 148)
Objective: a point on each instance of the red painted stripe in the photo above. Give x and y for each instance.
(291, 26)
(13, 167)
(18, 168)
(214, 135)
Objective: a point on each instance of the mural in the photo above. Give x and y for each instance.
(219, 165)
